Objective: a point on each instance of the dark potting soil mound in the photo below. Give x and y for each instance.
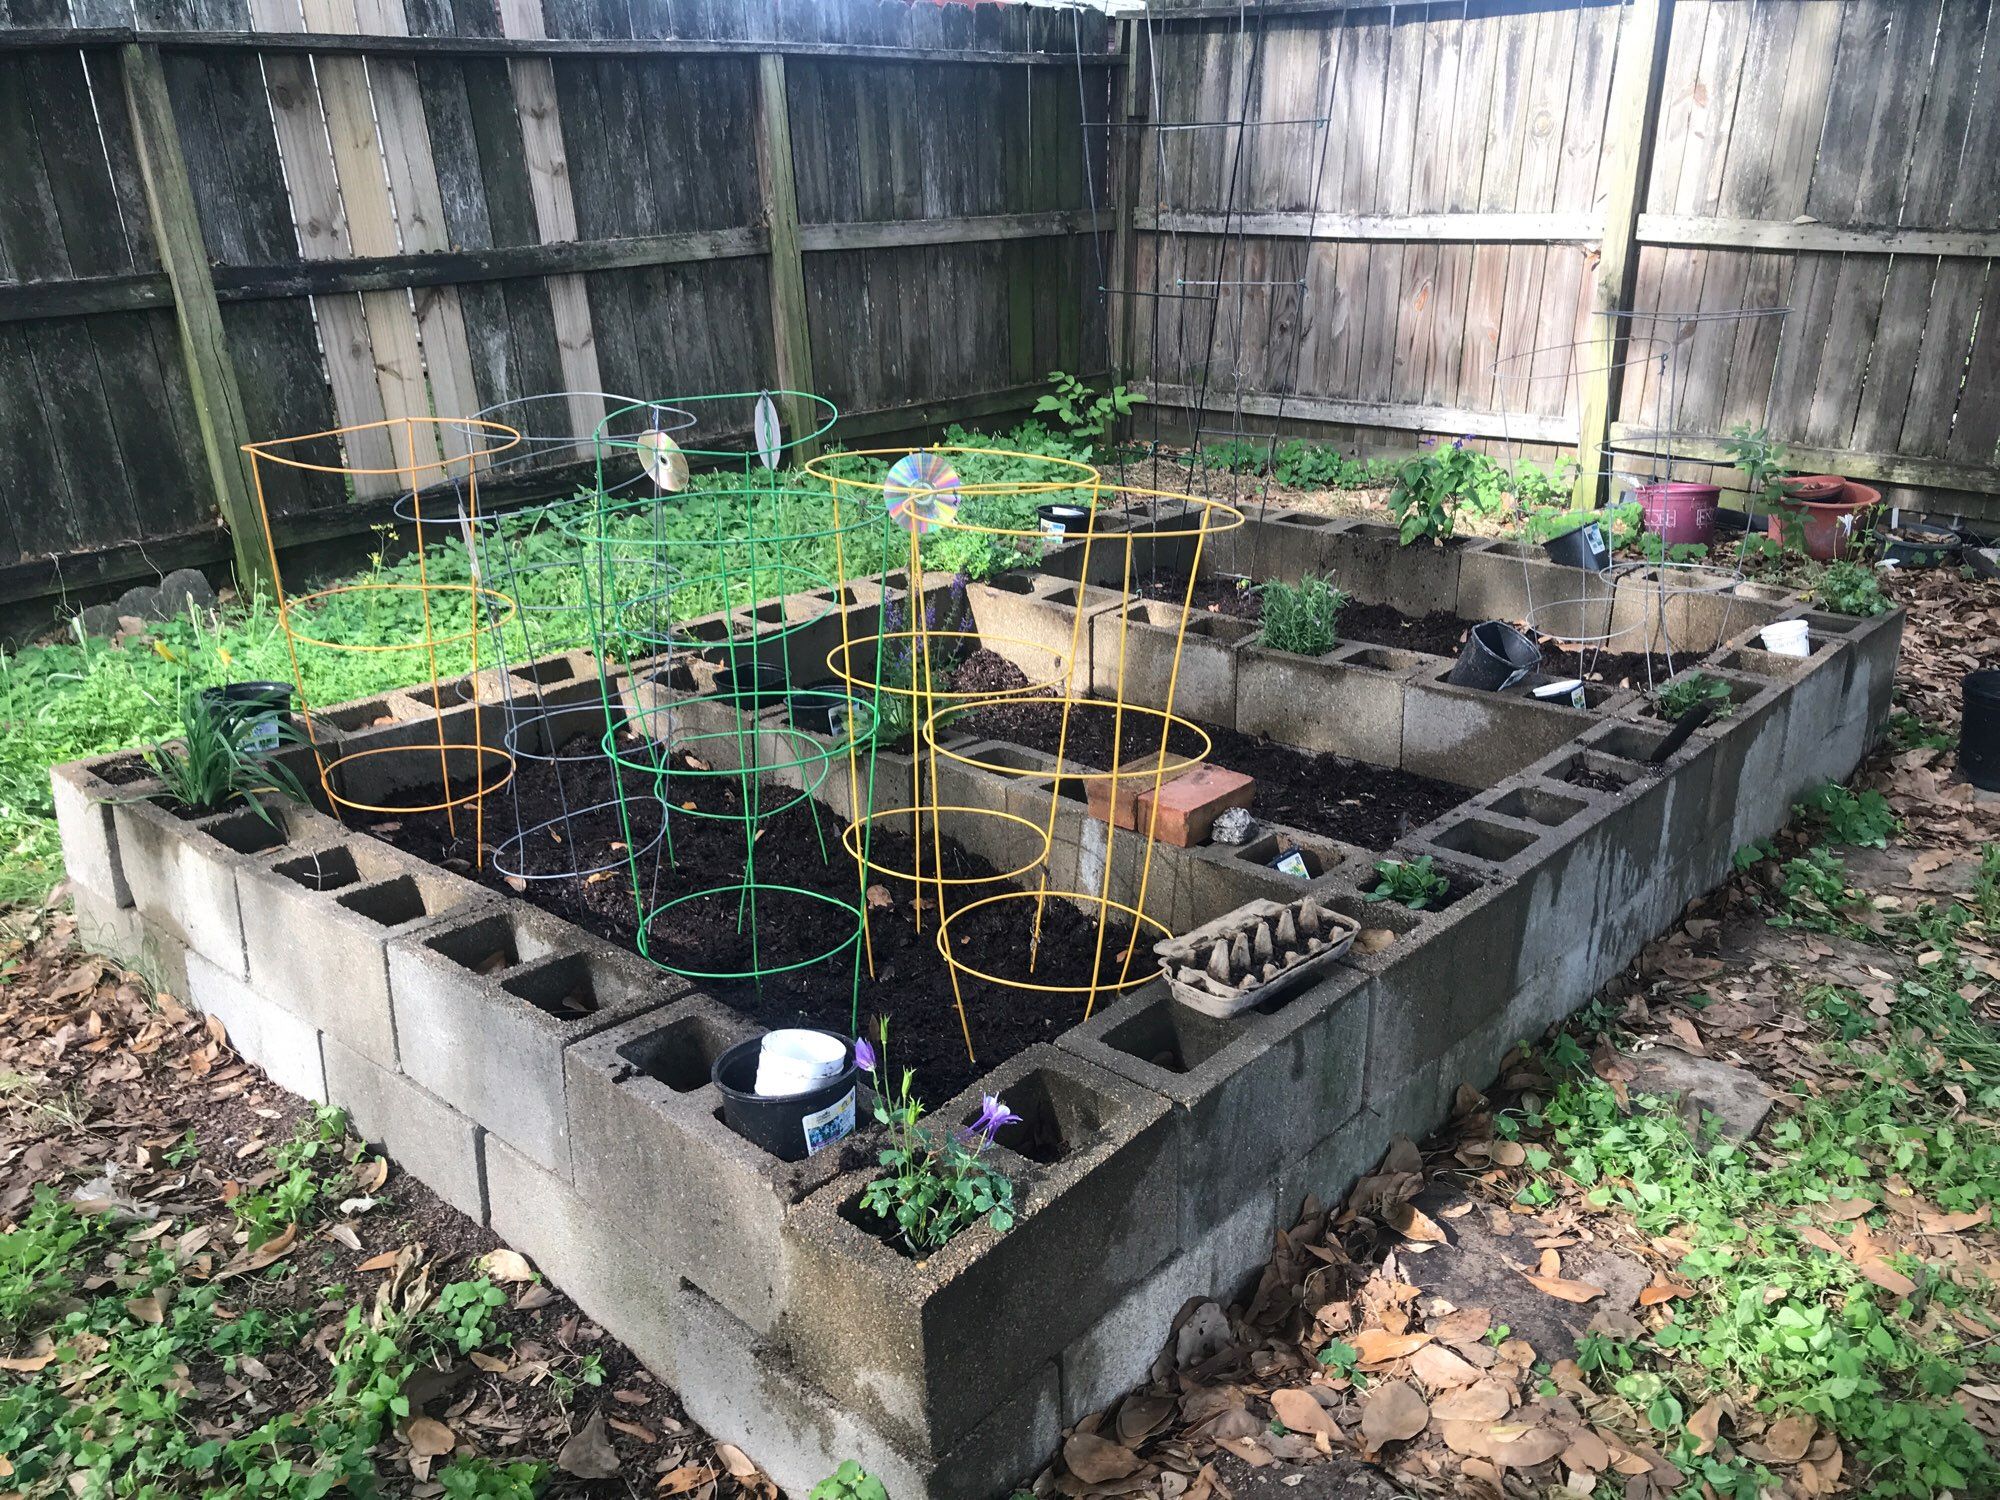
(1352, 800)
(125, 770)
(1597, 781)
(1438, 633)
(1214, 596)
(798, 847)
(1615, 668)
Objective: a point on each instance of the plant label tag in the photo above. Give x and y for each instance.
(1292, 863)
(1600, 555)
(825, 1126)
(1053, 528)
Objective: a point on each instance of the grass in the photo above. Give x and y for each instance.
(83, 696)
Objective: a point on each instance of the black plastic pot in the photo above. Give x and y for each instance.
(1582, 548)
(1496, 656)
(814, 706)
(792, 1126)
(756, 684)
(1918, 545)
(249, 702)
(1735, 522)
(1061, 520)
(1979, 730)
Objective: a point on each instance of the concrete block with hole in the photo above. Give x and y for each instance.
(486, 1001)
(182, 872)
(1094, 1164)
(1371, 563)
(642, 1110)
(89, 835)
(1348, 702)
(280, 1043)
(121, 933)
(1142, 643)
(317, 921)
(424, 1135)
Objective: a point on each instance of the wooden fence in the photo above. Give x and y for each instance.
(1490, 176)
(225, 220)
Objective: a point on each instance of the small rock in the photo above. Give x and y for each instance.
(184, 587)
(98, 620)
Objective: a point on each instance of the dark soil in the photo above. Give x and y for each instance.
(1351, 800)
(1638, 669)
(1215, 596)
(125, 770)
(1438, 633)
(797, 847)
(1598, 781)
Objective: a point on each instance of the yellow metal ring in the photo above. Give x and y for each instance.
(480, 789)
(1124, 773)
(845, 650)
(851, 838)
(1100, 904)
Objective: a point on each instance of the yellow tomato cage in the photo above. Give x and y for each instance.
(461, 444)
(1197, 518)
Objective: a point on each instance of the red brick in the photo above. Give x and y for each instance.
(1134, 779)
(1190, 803)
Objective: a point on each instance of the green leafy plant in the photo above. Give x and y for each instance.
(1432, 486)
(1850, 588)
(1535, 486)
(1086, 413)
(1340, 1357)
(1302, 617)
(475, 1478)
(1412, 883)
(300, 1182)
(219, 759)
(1762, 460)
(1236, 456)
(1861, 818)
(1684, 695)
(849, 1482)
(1655, 548)
(1321, 466)
(937, 1182)
(36, 1258)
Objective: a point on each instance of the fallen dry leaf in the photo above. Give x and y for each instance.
(1392, 1413)
(429, 1438)
(589, 1454)
(1486, 1401)
(505, 1265)
(1664, 1289)
(1378, 1346)
(1569, 1291)
(1097, 1460)
(40, 1354)
(1789, 1437)
(1301, 1413)
(1412, 1223)
(1706, 1425)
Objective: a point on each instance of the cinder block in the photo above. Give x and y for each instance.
(643, 1111)
(1476, 738)
(585, 1247)
(120, 933)
(1286, 546)
(316, 925)
(182, 874)
(281, 1044)
(426, 1136)
(1505, 581)
(89, 838)
(1118, 1352)
(887, 1335)
(1373, 565)
(1241, 1087)
(1032, 621)
(742, 1389)
(486, 1002)
(1135, 645)
(1415, 1107)
(1349, 702)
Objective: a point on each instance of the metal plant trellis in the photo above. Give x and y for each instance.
(438, 473)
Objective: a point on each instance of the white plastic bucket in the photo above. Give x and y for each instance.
(1787, 638)
(797, 1061)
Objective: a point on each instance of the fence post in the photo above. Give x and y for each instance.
(791, 333)
(1644, 30)
(1130, 103)
(218, 400)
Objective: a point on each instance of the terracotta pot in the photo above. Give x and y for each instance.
(1815, 489)
(1829, 525)
(1678, 511)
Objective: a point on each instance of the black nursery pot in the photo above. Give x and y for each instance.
(814, 706)
(792, 1126)
(250, 702)
(1061, 520)
(1496, 656)
(1581, 548)
(757, 684)
(1979, 730)
(1919, 546)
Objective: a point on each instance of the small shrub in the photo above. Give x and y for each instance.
(1681, 697)
(1302, 618)
(1535, 486)
(1321, 466)
(1086, 413)
(1412, 883)
(215, 761)
(1850, 588)
(1762, 460)
(1235, 456)
(306, 1171)
(1432, 486)
(1860, 818)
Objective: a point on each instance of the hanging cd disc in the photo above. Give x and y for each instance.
(661, 457)
(770, 434)
(920, 490)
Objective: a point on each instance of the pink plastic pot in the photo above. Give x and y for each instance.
(1830, 526)
(1678, 511)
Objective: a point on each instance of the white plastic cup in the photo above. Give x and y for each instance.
(1787, 638)
(796, 1061)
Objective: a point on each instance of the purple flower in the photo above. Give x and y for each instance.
(864, 1055)
(992, 1115)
